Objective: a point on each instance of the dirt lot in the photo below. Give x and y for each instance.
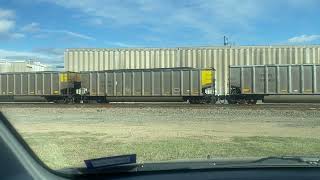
(64, 136)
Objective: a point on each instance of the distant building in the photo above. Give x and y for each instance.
(21, 66)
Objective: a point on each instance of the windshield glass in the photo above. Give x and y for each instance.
(165, 80)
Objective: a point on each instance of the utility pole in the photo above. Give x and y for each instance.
(225, 40)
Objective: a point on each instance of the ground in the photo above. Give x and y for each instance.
(64, 136)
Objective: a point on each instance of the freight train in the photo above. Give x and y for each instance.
(177, 84)
(247, 84)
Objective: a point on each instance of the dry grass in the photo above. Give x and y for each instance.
(65, 137)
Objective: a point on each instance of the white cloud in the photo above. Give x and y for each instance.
(50, 51)
(78, 35)
(304, 38)
(7, 53)
(121, 44)
(96, 21)
(42, 56)
(6, 25)
(69, 33)
(6, 14)
(32, 27)
(17, 35)
(209, 17)
(208, 20)
(6, 20)
(41, 36)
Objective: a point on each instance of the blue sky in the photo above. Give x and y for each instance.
(41, 29)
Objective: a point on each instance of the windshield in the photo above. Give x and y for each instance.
(164, 80)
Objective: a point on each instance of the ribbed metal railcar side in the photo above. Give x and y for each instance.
(145, 83)
(31, 84)
(276, 79)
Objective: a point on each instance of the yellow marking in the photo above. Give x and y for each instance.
(284, 90)
(207, 77)
(246, 90)
(308, 90)
(61, 77)
(55, 92)
(68, 77)
(64, 77)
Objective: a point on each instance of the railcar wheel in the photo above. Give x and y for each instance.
(194, 101)
(68, 100)
(242, 101)
(65, 100)
(211, 101)
(102, 101)
(232, 101)
(252, 101)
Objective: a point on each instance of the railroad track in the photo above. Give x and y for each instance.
(287, 106)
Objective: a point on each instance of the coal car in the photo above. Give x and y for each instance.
(174, 84)
(53, 86)
(250, 83)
